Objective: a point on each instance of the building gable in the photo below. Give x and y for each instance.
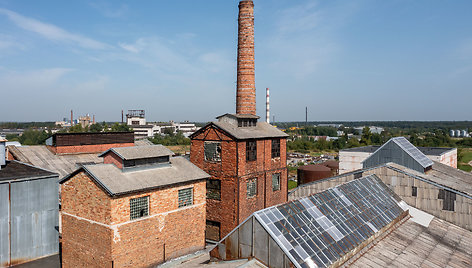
(211, 132)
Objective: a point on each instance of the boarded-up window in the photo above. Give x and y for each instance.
(139, 207)
(213, 189)
(251, 187)
(212, 231)
(448, 199)
(251, 150)
(185, 197)
(212, 151)
(275, 148)
(276, 181)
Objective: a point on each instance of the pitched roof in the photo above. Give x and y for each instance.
(117, 182)
(436, 151)
(413, 151)
(148, 151)
(15, 170)
(261, 130)
(441, 244)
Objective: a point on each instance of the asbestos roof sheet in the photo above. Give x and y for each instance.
(40, 156)
(139, 152)
(261, 130)
(15, 170)
(443, 175)
(116, 181)
(441, 244)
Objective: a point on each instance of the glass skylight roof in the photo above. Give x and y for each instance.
(318, 230)
(413, 151)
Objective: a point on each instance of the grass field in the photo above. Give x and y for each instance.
(179, 149)
(466, 158)
(291, 184)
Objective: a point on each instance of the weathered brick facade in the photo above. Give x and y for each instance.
(95, 148)
(97, 230)
(234, 171)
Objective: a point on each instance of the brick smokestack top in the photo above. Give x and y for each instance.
(246, 88)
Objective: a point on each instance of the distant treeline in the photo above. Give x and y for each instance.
(419, 125)
(26, 125)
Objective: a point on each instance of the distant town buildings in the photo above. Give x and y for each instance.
(136, 119)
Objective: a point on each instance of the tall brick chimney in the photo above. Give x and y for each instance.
(246, 87)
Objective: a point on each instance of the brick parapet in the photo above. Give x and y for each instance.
(96, 148)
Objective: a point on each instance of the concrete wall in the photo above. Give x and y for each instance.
(350, 161)
(401, 183)
(97, 230)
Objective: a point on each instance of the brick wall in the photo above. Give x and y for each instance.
(97, 148)
(234, 171)
(111, 158)
(97, 230)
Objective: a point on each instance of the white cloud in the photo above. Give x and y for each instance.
(37, 79)
(50, 31)
(108, 11)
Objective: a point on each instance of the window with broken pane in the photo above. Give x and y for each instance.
(139, 207)
(185, 197)
(251, 187)
(251, 150)
(212, 151)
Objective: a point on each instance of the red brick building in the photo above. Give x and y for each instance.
(140, 208)
(245, 158)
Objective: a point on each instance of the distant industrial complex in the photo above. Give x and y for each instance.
(115, 199)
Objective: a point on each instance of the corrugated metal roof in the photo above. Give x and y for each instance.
(413, 151)
(116, 181)
(436, 151)
(139, 152)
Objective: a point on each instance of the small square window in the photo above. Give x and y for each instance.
(212, 151)
(276, 181)
(139, 207)
(275, 148)
(251, 187)
(251, 150)
(414, 191)
(185, 197)
(213, 189)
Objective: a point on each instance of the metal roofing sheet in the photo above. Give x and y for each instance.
(413, 151)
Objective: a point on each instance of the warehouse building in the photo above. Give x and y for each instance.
(351, 159)
(140, 208)
(435, 188)
(361, 223)
(29, 208)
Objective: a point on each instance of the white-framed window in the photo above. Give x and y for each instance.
(275, 181)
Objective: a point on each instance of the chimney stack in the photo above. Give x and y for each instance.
(93, 119)
(246, 88)
(71, 118)
(267, 107)
(122, 117)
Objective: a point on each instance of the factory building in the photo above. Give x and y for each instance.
(360, 223)
(351, 159)
(440, 190)
(245, 158)
(29, 208)
(139, 208)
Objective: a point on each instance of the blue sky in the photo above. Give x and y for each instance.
(345, 60)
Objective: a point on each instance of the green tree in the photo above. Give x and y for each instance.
(96, 128)
(366, 138)
(117, 127)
